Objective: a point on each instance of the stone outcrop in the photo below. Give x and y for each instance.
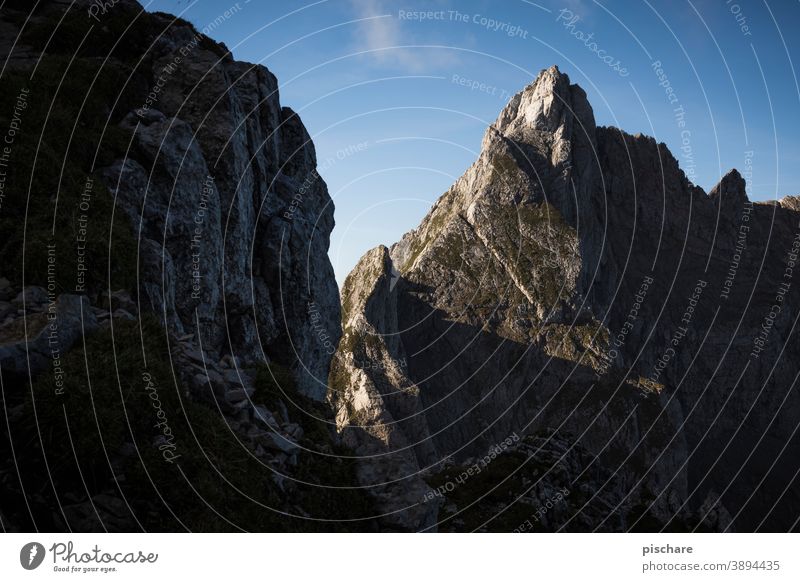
(226, 324)
(37, 329)
(216, 177)
(574, 282)
(234, 219)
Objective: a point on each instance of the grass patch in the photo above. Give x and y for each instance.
(53, 158)
(112, 409)
(332, 490)
(210, 487)
(476, 491)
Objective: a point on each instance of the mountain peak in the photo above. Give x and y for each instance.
(532, 261)
(731, 190)
(547, 104)
(548, 80)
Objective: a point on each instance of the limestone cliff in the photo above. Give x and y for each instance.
(235, 221)
(574, 283)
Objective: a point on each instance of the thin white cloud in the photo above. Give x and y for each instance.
(390, 42)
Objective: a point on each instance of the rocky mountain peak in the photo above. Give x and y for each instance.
(540, 294)
(731, 191)
(547, 104)
(546, 136)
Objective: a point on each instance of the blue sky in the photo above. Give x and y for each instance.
(386, 98)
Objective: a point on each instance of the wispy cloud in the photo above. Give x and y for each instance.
(389, 42)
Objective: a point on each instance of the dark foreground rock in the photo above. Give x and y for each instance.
(161, 369)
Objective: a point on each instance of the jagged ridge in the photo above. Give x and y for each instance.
(567, 282)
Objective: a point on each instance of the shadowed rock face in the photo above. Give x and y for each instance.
(235, 221)
(202, 331)
(573, 282)
(229, 219)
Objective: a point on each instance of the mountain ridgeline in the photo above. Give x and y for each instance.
(574, 338)
(574, 290)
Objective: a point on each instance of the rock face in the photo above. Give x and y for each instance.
(235, 221)
(34, 337)
(218, 180)
(573, 282)
(206, 367)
